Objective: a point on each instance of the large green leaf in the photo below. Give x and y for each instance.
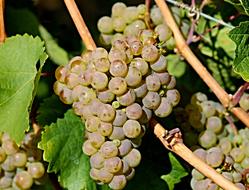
(245, 4)
(55, 52)
(175, 66)
(18, 74)
(177, 172)
(62, 144)
(240, 35)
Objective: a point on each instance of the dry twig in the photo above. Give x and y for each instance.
(2, 29)
(197, 65)
(174, 143)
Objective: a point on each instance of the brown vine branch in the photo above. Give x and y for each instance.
(197, 65)
(178, 147)
(181, 150)
(80, 24)
(2, 28)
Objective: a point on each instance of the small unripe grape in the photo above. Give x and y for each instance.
(36, 169)
(23, 180)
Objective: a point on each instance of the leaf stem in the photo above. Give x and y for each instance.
(2, 28)
(239, 93)
(80, 24)
(181, 150)
(187, 53)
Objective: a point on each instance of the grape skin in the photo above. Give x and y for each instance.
(160, 65)
(104, 176)
(141, 65)
(133, 77)
(237, 154)
(150, 53)
(120, 118)
(20, 159)
(96, 139)
(118, 68)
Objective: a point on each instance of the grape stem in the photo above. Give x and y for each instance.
(2, 28)
(80, 24)
(233, 126)
(147, 14)
(187, 53)
(177, 146)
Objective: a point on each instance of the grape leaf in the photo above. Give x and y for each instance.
(240, 35)
(62, 144)
(245, 4)
(176, 66)
(18, 75)
(177, 172)
(55, 52)
(50, 109)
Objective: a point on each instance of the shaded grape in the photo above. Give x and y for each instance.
(23, 180)
(133, 158)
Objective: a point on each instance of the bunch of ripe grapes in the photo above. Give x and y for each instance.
(20, 168)
(217, 144)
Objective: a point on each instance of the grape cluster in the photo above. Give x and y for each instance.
(19, 168)
(116, 93)
(131, 20)
(215, 142)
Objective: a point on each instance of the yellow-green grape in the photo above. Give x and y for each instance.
(163, 31)
(237, 154)
(105, 96)
(214, 157)
(97, 160)
(125, 147)
(153, 83)
(60, 73)
(244, 101)
(131, 174)
(23, 180)
(130, 14)
(96, 139)
(88, 148)
(5, 182)
(113, 165)
(245, 163)
(141, 91)
(160, 65)
(132, 128)
(8, 164)
(105, 128)
(141, 65)
(119, 24)
(9, 146)
(151, 100)
(128, 98)
(208, 108)
(207, 139)
(120, 118)
(197, 175)
(164, 108)
(118, 9)
(214, 123)
(36, 169)
(116, 54)
(99, 81)
(133, 158)
(107, 113)
(118, 68)
(117, 86)
(150, 53)
(117, 133)
(164, 77)
(118, 182)
(109, 149)
(134, 111)
(133, 77)
(102, 65)
(136, 47)
(173, 96)
(83, 94)
(225, 145)
(20, 159)
(92, 123)
(94, 174)
(172, 83)
(105, 25)
(104, 176)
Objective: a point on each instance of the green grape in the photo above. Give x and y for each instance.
(207, 139)
(99, 53)
(202, 184)
(23, 180)
(133, 158)
(153, 83)
(118, 182)
(141, 65)
(118, 68)
(97, 160)
(94, 106)
(99, 81)
(109, 149)
(208, 108)
(198, 97)
(92, 123)
(83, 94)
(225, 145)
(156, 16)
(105, 25)
(197, 175)
(120, 44)
(160, 65)
(245, 163)
(130, 14)
(141, 9)
(214, 124)
(193, 182)
(77, 64)
(128, 98)
(136, 48)
(102, 65)
(141, 91)
(237, 154)
(214, 157)
(150, 53)
(171, 43)
(132, 128)
(105, 129)
(105, 39)
(9, 146)
(237, 177)
(117, 86)
(146, 36)
(5, 182)
(2, 154)
(163, 31)
(244, 101)
(129, 55)
(116, 54)
(228, 175)
(104, 176)
(20, 159)
(107, 113)
(164, 108)
(173, 96)
(117, 133)
(151, 100)
(86, 77)
(133, 77)
(8, 164)
(94, 174)
(105, 96)
(118, 9)
(113, 165)
(96, 139)
(213, 186)
(60, 73)
(238, 167)
(88, 148)
(164, 77)
(72, 80)
(119, 24)
(134, 111)
(120, 118)
(36, 170)
(125, 147)
(172, 83)
(240, 186)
